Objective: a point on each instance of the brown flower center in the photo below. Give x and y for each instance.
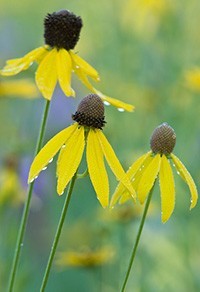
(90, 112)
(62, 29)
(163, 139)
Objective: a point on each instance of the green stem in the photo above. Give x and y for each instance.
(22, 228)
(137, 240)
(57, 235)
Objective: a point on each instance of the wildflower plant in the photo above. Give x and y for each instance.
(143, 174)
(87, 130)
(57, 59)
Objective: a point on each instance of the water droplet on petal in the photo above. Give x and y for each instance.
(98, 79)
(106, 102)
(50, 160)
(21, 244)
(35, 177)
(32, 180)
(77, 67)
(44, 168)
(173, 164)
(62, 193)
(63, 146)
(178, 172)
(120, 109)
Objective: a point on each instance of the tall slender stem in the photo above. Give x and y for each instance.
(137, 240)
(22, 228)
(57, 235)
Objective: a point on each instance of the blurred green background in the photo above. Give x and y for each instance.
(142, 50)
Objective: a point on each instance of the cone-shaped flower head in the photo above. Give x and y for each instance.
(57, 59)
(157, 163)
(71, 142)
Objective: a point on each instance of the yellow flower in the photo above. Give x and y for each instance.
(57, 59)
(144, 16)
(89, 119)
(192, 78)
(18, 88)
(85, 258)
(157, 162)
(11, 190)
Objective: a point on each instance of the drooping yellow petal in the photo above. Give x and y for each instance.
(70, 158)
(64, 69)
(49, 151)
(78, 62)
(46, 74)
(96, 168)
(14, 66)
(167, 189)
(188, 179)
(121, 190)
(20, 88)
(148, 177)
(114, 162)
(121, 106)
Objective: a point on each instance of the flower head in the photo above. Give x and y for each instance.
(71, 142)
(57, 59)
(157, 163)
(192, 79)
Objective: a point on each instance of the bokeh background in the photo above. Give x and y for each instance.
(143, 50)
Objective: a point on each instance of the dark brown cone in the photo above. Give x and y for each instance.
(62, 29)
(163, 139)
(90, 112)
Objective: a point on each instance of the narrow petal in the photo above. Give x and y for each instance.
(114, 162)
(49, 151)
(46, 74)
(148, 177)
(70, 158)
(64, 69)
(188, 179)
(167, 189)
(121, 106)
(84, 66)
(96, 168)
(121, 190)
(14, 66)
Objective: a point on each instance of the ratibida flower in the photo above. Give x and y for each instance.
(57, 59)
(71, 142)
(192, 79)
(157, 163)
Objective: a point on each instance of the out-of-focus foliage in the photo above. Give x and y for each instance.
(143, 51)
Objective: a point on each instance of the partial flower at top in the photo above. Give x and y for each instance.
(157, 162)
(57, 59)
(18, 88)
(192, 78)
(71, 142)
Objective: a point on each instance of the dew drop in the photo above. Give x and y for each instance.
(21, 244)
(36, 177)
(62, 193)
(44, 168)
(77, 67)
(32, 180)
(50, 160)
(106, 103)
(174, 165)
(98, 79)
(120, 109)
(63, 146)
(178, 172)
